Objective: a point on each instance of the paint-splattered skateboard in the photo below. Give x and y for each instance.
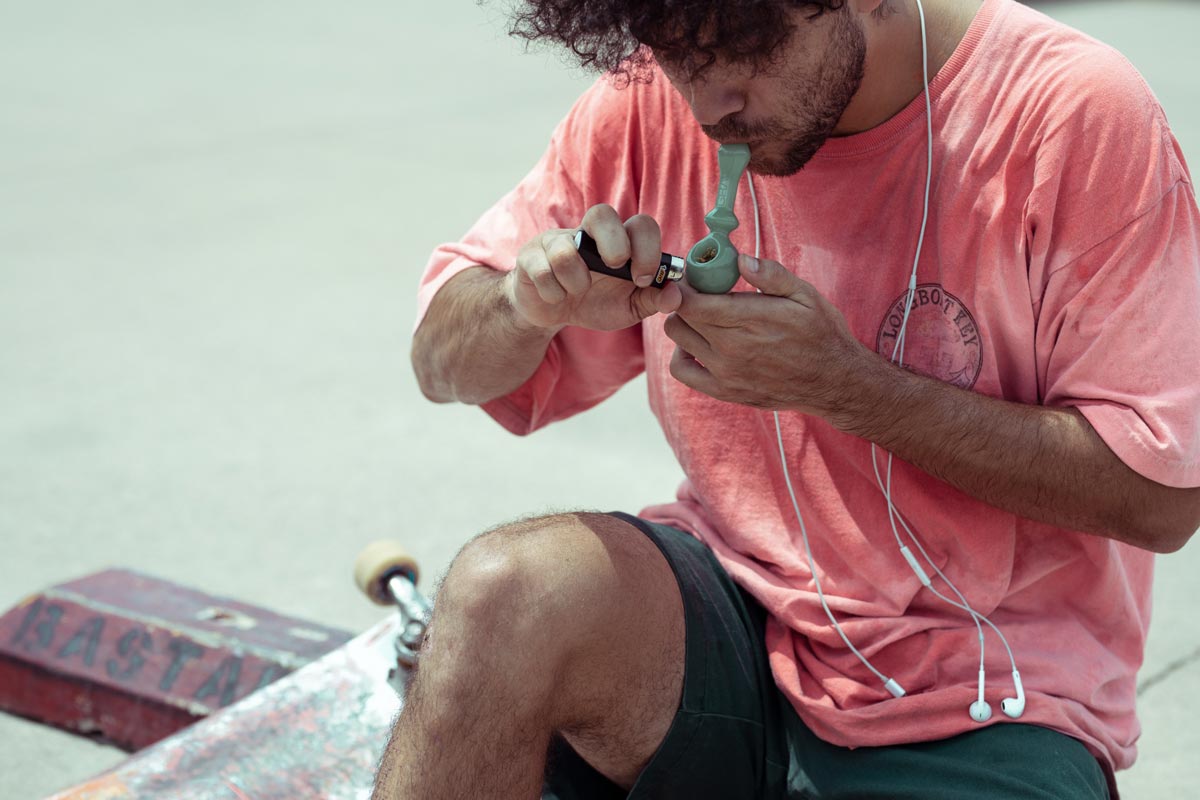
(317, 733)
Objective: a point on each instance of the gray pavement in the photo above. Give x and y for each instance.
(212, 218)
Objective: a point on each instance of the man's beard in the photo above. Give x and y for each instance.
(813, 106)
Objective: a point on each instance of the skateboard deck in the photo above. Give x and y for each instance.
(317, 733)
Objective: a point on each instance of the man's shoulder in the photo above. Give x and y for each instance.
(616, 128)
(1073, 109)
(1067, 74)
(647, 101)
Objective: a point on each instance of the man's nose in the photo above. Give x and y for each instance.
(713, 102)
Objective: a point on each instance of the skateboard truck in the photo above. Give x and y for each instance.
(388, 575)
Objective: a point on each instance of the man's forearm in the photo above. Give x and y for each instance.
(472, 347)
(1045, 464)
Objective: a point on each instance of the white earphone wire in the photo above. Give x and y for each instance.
(886, 487)
(894, 688)
(898, 358)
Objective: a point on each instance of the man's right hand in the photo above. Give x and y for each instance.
(551, 286)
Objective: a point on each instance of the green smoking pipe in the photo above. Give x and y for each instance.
(711, 264)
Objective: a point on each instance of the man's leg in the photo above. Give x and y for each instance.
(570, 624)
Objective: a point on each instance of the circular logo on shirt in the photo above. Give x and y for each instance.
(941, 339)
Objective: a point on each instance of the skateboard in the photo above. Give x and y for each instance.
(317, 733)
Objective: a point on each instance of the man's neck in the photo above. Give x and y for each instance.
(892, 75)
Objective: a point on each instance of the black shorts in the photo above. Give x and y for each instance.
(737, 736)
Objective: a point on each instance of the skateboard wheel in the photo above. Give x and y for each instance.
(377, 563)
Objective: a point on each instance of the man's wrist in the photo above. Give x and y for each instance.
(523, 325)
(870, 388)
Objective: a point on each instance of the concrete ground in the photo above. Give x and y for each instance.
(212, 219)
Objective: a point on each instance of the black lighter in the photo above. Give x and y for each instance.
(670, 268)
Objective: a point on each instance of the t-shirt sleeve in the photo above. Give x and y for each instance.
(1119, 320)
(591, 158)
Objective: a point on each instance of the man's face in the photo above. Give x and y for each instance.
(786, 111)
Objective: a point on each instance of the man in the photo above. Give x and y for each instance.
(1044, 426)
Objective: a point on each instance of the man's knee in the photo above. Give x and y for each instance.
(577, 616)
(555, 582)
(541, 568)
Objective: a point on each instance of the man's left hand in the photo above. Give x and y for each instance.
(786, 348)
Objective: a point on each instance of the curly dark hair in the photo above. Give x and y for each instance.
(617, 36)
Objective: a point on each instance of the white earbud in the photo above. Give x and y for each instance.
(980, 710)
(1015, 706)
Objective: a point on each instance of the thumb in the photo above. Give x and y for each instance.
(648, 301)
(770, 277)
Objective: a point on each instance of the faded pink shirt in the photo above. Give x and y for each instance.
(1061, 267)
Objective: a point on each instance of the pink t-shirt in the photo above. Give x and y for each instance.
(1061, 268)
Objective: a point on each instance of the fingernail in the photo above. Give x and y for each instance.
(643, 280)
(751, 263)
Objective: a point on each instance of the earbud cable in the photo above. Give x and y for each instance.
(886, 486)
(894, 688)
